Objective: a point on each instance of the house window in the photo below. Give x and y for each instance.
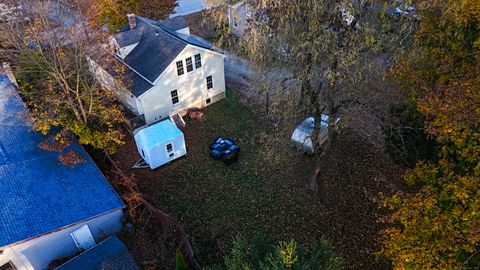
(83, 238)
(208, 101)
(180, 68)
(209, 82)
(189, 64)
(169, 148)
(174, 95)
(8, 266)
(143, 153)
(198, 61)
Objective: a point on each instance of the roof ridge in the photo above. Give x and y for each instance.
(147, 21)
(157, 25)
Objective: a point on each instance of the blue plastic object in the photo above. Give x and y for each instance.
(225, 149)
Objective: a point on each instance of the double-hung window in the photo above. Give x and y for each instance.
(180, 68)
(189, 64)
(198, 61)
(174, 95)
(209, 82)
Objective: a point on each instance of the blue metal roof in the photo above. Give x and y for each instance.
(39, 194)
(156, 134)
(110, 254)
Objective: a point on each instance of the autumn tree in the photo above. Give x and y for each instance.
(438, 227)
(113, 13)
(50, 55)
(327, 45)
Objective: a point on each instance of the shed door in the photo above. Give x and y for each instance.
(83, 238)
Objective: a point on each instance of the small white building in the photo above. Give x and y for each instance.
(48, 211)
(169, 71)
(160, 143)
(239, 18)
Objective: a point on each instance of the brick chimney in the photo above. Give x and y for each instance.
(132, 21)
(9, 73)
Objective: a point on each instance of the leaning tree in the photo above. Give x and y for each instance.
(49, 52)
(328, 46)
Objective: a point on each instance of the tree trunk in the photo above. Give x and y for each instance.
(330, 130)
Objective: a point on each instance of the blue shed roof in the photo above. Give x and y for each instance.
(38, 193)
(156, 134)
(109, 254)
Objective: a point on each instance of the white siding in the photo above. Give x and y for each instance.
(37, 253)
(127, 49)
(191, 86)
(185, 31)
(107, 81)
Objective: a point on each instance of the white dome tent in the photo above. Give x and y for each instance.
(302, 135)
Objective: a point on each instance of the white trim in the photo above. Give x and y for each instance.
(132, 69)
(173, 61)
(184, 49)
(83, 237)
(61, 228)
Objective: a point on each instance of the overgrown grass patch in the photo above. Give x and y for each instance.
(261, 194)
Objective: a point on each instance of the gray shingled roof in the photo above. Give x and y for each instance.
(174, 23)
(137, 84)
(128, 37)
(158, 46)
(110, 254)
(155, 51)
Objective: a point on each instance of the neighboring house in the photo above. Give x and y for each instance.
(169, 70)
(9, 13)
(239, 17)
(186, 7)
(48, 211)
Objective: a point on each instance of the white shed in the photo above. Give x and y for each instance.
(160, 143)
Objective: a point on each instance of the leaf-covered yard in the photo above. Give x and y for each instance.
(267, 194)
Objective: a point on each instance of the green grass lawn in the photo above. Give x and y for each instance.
(261, 194)
(208, 196)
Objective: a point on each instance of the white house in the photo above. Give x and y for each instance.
(48, 211)
(168, 69)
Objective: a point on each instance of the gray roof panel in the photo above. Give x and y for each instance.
(174, 23)
(154, 53)
(111, 254)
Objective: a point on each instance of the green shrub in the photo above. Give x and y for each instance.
(286, 255)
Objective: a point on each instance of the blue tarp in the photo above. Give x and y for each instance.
(38, 193)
